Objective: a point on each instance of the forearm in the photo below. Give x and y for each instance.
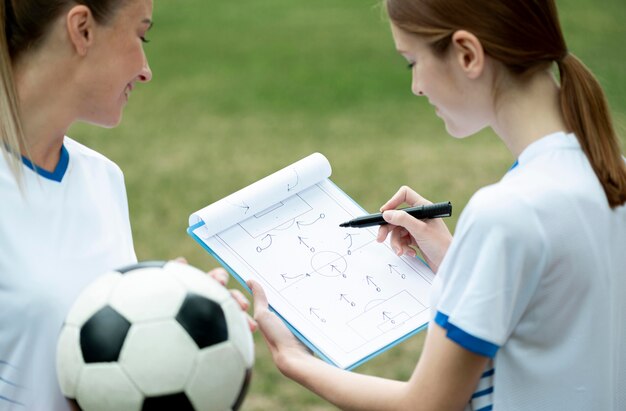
(344, 389)
(443, 380)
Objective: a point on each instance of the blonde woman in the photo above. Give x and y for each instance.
(63, 207)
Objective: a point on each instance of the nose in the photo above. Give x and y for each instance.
(146, 74)
(415, 86)
(416, 89)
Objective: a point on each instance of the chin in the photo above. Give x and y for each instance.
(457, 133)
(110, 122)
(460, 132)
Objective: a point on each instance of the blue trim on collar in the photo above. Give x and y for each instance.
(466, 340)
(59, 171)
(514, 165)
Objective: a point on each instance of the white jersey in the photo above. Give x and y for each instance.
(65, 229)
(535, 279)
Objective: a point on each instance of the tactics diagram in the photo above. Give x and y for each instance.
(341, 281)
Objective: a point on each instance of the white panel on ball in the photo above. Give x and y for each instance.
(98, 381)
(93, 298)
(147, 294)
(238, 331)
(197, 281)
(217, 381)
(158, 356)
(68, 354)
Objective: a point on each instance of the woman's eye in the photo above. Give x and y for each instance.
(145, 40)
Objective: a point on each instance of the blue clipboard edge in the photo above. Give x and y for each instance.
(302, 338)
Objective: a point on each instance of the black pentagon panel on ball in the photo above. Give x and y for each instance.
(103, 335)
(203, 319)
(172, 402)
(140, 265)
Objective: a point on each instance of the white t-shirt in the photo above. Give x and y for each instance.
(66, 228)
(535, 278)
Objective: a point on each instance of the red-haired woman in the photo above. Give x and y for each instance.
(528, 301)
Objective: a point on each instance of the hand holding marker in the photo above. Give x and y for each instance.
(421, 212)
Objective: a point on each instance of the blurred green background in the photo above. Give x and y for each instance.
(243, 88)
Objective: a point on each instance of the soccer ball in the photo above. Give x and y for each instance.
(155, 336)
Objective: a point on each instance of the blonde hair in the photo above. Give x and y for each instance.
(23, 25)
(10, 125)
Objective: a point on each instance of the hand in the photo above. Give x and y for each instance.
(430, 236)
(221, 276)
(283, 345)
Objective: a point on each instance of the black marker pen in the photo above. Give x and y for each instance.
(436, 210)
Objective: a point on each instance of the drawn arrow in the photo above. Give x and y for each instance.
(259, 248)
(285, 277)
(239, 204)
(392, 268)
(301, 239)
(349, 237)
(334, 268)
(244, 206)
(299, 223)
(291, 187)
(313, 311)
(369, 281)
(343, 297)
(386, 317)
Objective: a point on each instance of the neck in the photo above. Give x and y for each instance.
(43, 108)
(528, 110)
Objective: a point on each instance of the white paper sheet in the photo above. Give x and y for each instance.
(345, 294)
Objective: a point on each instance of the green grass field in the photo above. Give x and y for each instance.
(243, 88)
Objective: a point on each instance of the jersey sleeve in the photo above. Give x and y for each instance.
(491, 271)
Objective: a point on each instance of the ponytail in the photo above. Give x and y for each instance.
(586, 113)
(11, 135)
(526, 36)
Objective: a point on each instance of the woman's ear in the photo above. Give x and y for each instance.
(80, 28)
(469, 53)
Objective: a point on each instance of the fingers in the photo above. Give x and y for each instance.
(259, 297)
(402, 242)
(383, 232)
(404, 195)
(266, 320)
(403, 219)
(241, 299)
(406, 229)
(251, 323)
(220, 275)
(281, 342)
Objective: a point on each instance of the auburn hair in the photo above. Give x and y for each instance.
(526, 36)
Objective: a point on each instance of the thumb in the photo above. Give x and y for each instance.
(259, 297)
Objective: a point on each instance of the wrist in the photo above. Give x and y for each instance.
(293, 363)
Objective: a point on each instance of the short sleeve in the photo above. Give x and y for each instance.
(491, 270)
